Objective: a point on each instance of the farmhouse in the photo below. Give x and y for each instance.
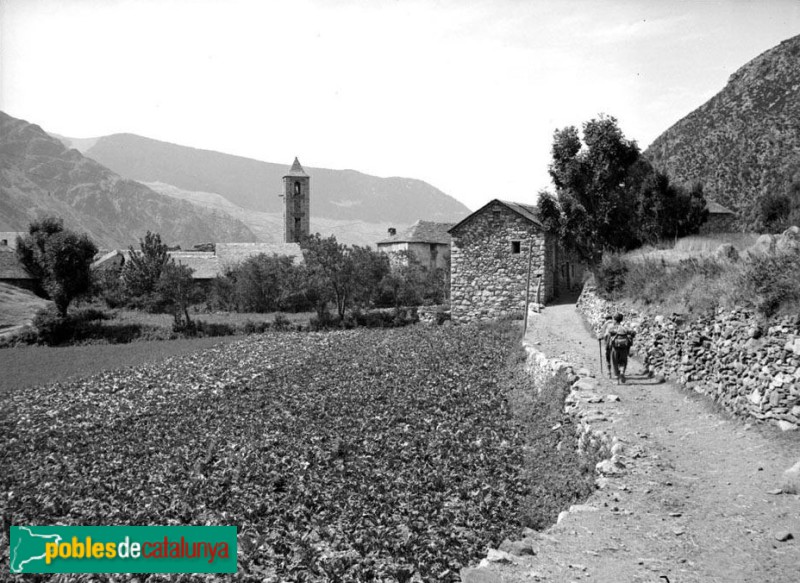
(12, 272)
(720, 219)
(491, 252)
(425, 241)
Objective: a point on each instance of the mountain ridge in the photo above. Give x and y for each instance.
(744, 142)
(254, 184)
(40, 176)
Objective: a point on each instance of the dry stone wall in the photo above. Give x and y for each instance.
(488, 277)
(748, 366)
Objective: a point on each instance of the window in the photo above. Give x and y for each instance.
(516, 247)
(296, 187)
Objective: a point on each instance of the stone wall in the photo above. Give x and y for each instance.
(749, 367)
(719, 223)
(487, 276)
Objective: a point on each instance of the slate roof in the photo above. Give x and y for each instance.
(422, 232)
(10, 267)
(296, 169)
(714, 208)
(233, 253)
(526, 211)
(109, 258)
(204, 263)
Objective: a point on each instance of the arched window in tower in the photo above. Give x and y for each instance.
(297, 187)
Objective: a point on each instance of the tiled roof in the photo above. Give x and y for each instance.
(526, 211)
(714, 208)
(233, 253)
(204, 263)
(113, 257)
(422, 232)
(10, 267)
(296, 169)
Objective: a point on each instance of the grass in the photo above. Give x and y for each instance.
(235, 319)
(692, 247)
(692, 280)
(18, 305)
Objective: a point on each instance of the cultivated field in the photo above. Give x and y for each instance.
(350, 456)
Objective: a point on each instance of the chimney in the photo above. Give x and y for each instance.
(392, 231)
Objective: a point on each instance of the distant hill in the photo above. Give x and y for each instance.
(344, 195)
(268, 227)
(745, 141)
(40, 176)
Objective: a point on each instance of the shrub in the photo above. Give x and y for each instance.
(281, 323)
(610, 275)
(253, 327)
(772, 283)
(202, 328)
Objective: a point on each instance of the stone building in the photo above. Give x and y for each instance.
(426, 241)
(296, 204)
(489, 256)
(720, 219)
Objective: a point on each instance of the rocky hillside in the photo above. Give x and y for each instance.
(745, 141)
(336, 194)
(40, 176)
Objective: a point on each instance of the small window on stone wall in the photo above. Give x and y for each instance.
(516, 247)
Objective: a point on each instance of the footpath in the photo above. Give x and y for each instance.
(698, 497)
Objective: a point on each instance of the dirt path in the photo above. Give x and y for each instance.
(694, 503)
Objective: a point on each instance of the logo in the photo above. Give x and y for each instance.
(122, 549)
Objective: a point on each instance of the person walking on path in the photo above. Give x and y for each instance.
(620, 339)
(605, 346)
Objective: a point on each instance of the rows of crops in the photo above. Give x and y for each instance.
(363, 455)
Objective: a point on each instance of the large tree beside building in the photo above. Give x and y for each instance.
(59, 258)
(609, 197)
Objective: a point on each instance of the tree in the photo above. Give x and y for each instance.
(60, 258)
(345, 275)
(264, 283)
(143, 268)
(176, 289)
(609, 197)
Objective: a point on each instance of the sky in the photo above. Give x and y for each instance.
(463, 94)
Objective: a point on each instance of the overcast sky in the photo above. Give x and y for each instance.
(463, 94)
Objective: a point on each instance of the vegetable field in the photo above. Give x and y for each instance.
(385, 455)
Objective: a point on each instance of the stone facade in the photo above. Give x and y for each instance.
(430, 255)
(297, 204)
(489, 262)
(719, 223)
(750, 368)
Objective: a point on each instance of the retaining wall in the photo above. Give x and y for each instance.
(748, 366)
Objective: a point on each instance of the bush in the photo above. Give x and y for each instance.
(202, 328)
(81, 326)
(773, 283)
(281, 323)
(253, 327)
(610, 275)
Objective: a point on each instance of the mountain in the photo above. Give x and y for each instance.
(745, 141)
(40, 176)
(344, 195)
(268, 227)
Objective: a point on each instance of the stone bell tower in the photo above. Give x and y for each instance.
(296, 204)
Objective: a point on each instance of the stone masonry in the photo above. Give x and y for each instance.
(489, 263)
(750, 367)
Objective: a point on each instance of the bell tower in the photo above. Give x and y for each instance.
(296, 204)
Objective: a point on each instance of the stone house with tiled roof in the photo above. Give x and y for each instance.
(492, 253)
(720, 219)
(428, 242)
